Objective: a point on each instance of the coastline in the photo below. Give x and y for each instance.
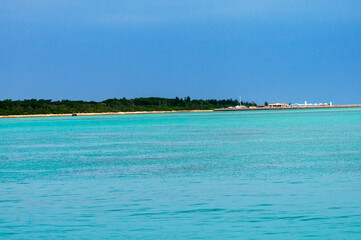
(177, 111)
(100, 114)
(285, 108)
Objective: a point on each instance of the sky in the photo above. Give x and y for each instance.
(263, 50)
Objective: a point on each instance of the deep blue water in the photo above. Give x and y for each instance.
(286, 174)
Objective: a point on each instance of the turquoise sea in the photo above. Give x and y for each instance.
(282, 174)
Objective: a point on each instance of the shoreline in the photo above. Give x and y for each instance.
(99, 114)
(285, 108)
(176, 111)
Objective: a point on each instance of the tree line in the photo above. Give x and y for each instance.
(46, 106)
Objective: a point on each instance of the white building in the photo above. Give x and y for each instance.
(310, 104)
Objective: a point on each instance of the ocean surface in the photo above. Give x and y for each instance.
(283, 174)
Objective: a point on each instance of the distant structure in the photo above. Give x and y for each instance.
(310, 104)
(238, 107)
(278, 105)
(240, 104)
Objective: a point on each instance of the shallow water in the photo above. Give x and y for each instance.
(266, 174)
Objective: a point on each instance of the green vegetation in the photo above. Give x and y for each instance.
(41, 106)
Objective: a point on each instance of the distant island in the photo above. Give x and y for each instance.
(50, 108)
(44, 106)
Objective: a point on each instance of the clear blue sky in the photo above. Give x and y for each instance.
(274, 50)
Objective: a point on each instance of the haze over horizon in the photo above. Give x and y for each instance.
(277, 50)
